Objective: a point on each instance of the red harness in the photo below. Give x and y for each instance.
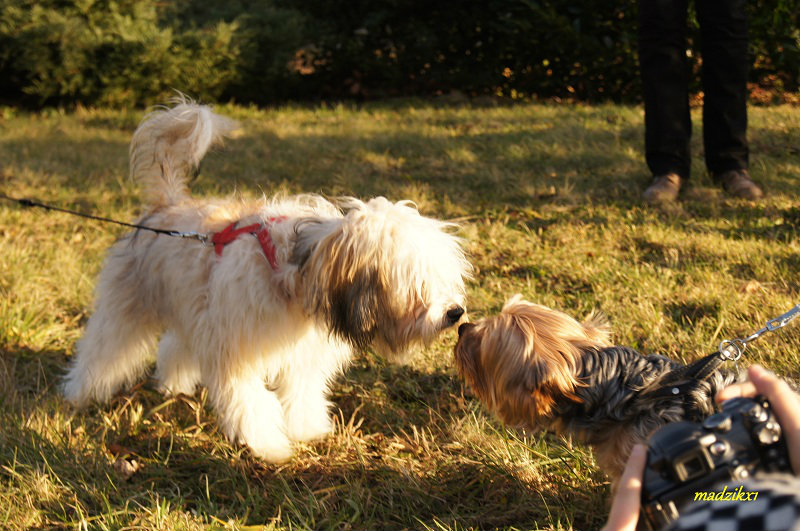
(260, 231)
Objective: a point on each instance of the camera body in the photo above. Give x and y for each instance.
(685, 458)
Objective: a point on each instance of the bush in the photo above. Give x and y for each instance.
(128, 52)
(512, 47)
(266, 40)
(585, 49)
(116, 53)
(775, 43)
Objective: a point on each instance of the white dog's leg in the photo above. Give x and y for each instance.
(304, 383)
(249, 413)
(306, 406)
(114, 349)
(176, 369)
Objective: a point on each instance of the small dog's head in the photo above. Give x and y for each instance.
(383, 276)
(521, 362)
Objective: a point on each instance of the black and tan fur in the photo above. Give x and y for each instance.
(539, 369)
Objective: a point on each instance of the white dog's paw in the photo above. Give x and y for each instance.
(308, 428)
(76, 391)
(178, 383)
(81, 387)
(177, 371)
(273, 448)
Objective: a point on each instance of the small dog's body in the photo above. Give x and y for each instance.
(264, 322)
(540, 369)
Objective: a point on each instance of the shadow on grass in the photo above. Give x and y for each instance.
(372, 476)
(477, 170)
(480, 166)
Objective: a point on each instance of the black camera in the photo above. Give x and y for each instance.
(686, 459)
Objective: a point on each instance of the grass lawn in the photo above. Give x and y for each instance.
(549, 201)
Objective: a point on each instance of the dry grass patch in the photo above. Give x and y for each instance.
(548, 197)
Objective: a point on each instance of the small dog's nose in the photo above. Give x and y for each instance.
(463, 328)
(454, 314)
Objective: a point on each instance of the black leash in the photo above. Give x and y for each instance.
(683, 380)
(30, 203)
(687, 377)
(699, 370)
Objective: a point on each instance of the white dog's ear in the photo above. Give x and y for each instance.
(308, 232)
(355, 306)
(340, 282)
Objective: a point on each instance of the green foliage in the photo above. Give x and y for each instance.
(775, 41)
(521, 46)
(125, 52)
(585, 49)
(265, 39)
(111, 52)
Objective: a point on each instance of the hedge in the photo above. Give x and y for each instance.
(137, 52)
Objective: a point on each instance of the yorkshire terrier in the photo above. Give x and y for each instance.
(268, 314)
(539, 369)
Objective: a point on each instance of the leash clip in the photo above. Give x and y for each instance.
(732, 349)
(203, 238)
(783, 320)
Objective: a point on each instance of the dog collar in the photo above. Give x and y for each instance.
(260, 230)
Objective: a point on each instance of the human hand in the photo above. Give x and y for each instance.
(784, 401)
(624, 513)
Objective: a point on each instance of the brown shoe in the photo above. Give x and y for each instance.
(663, 189)
(739, 184)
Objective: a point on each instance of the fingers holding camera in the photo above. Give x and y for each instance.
(624, 513)
(786, 404)
(737, 390)
(625, 510)
(784, 401)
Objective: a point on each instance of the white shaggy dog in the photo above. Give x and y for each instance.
(264, 322)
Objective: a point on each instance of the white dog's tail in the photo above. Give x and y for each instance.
(169, 144)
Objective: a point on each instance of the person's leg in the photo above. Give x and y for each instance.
(662, 60)
(723, 33)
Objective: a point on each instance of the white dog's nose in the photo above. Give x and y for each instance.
(454, 314)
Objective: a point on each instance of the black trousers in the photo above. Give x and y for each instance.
(665, 71)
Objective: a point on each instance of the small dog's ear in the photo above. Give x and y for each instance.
(513, 301)
(598, 329)
(536, 352)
